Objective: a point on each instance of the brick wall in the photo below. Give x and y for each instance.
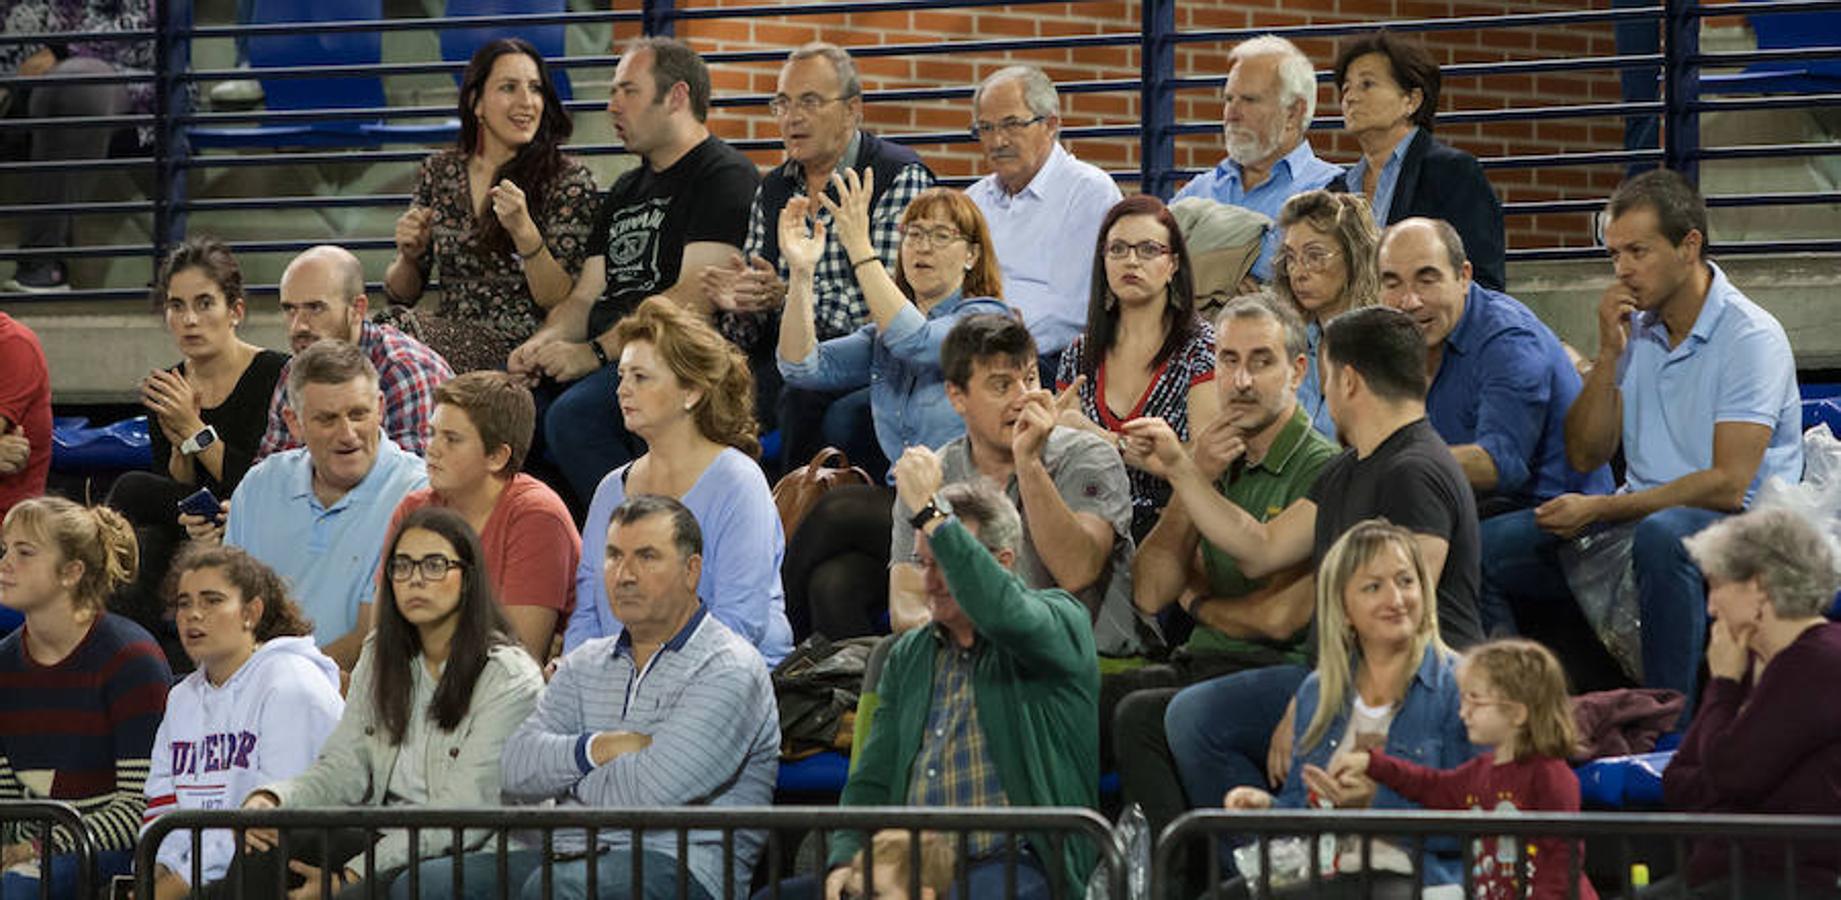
(1196, 60)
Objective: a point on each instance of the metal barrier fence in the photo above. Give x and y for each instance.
(170, 158)
(1061, 824)
(1658, 841)
(49, 815)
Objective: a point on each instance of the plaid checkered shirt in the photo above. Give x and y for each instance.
(839, 307)
(408, 371)
(954, 766)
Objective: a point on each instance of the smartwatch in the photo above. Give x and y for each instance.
(198, 442)
(936, 508)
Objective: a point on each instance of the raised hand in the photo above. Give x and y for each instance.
(802, 236)
(850, 211)
(508, 203)
(413, 230)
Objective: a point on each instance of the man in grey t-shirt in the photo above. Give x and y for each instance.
(1069, 485)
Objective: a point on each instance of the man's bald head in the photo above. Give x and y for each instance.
(322, 296)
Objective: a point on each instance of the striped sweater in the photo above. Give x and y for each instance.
(81, 730)
(706, 701)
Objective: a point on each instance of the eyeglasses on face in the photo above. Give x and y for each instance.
(433, 567)
(1313, 259)
(1011, 127)
(923, 236)
(1146, 250)
(781, 104)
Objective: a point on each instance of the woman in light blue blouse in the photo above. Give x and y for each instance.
(948, 270)
(836, 563)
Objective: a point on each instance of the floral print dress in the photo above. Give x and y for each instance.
(486, 308)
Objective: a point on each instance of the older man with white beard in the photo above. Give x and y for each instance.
(1266, 107)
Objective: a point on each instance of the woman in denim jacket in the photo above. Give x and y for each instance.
(1384, 679)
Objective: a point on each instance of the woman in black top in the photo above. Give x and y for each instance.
(206, 415)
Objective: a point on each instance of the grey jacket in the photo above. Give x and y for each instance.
(462, 766)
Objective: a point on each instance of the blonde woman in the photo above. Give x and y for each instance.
(1383, 680)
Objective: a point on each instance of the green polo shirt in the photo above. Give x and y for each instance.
(1264, 489)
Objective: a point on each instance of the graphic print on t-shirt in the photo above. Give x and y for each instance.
(1494, 858)
(632, 247)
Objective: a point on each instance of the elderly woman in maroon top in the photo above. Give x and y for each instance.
(1760, 743)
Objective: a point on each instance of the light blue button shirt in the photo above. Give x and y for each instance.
(1383, 201)
(1310, 390)
(1734, 366)
(327, 554)
(907, 387)
(1299, 171)
(1045, 235)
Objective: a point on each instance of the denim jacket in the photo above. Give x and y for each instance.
(1427, 730)
(907, 387)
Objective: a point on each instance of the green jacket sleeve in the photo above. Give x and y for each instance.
(1040, 628)
(873, 780)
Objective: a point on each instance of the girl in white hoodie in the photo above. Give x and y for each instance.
(256, 710)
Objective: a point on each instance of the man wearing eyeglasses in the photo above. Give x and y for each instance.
(319, 515)
(1043, 205)
(819, 106)
(1266, 107)
(993, 704)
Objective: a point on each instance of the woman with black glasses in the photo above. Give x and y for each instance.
(836, 562)
(439, 687)
(1146, 354)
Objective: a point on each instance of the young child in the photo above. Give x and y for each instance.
(1514, 700)
(893, 852)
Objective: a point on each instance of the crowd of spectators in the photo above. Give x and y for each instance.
(1232, 554)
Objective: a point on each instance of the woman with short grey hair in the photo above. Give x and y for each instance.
(1758, 744)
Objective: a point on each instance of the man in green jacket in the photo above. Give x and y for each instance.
(996, 703)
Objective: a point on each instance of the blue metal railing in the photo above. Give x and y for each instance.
(169, 162)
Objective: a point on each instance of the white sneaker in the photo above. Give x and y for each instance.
(241, 92)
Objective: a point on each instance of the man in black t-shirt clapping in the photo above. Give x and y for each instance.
(684, 208)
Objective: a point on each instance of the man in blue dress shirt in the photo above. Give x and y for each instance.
(1501, 383)
(1266, 107)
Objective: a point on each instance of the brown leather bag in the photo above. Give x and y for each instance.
(799, 489)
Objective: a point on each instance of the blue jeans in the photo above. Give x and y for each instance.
(569, 880)
(1219, 730)
(1521, 565)
(584, 433)
(109, 863)
(985, 879)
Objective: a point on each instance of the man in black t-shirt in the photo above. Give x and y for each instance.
(685, 207)
(1396, 468)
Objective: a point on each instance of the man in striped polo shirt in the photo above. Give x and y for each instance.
(676, 710)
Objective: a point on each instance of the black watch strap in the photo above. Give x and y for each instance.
(600, 353)
(927, 514)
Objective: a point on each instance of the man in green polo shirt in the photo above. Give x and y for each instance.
(1261, 454)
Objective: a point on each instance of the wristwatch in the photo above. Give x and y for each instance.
(600, 352)
(936, 508)
(198, 442)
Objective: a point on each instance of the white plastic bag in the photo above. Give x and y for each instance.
(1132, 833)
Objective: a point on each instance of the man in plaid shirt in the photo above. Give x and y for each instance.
(322, 296)
(819, 105)
(995, 703)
